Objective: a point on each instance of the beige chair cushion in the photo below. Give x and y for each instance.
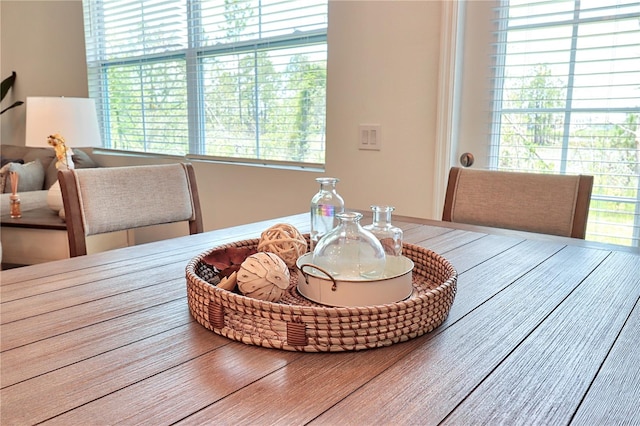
(523, 201)
(120, 198)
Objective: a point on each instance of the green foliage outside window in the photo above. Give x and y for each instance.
(532, 135)
(249, 82)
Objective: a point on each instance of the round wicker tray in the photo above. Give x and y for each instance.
(298, 324)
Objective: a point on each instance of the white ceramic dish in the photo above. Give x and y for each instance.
(318, 286)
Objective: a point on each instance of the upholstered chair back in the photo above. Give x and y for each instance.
(111, 199)
(544, 203)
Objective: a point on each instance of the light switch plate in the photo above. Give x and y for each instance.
(370, 137)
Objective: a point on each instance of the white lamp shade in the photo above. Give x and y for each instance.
(75, 119)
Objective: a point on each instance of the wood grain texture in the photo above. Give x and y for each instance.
(107, 286)
(488, 278)
(576, 336)
(449, 366)
(542, 331)
(477, 251)
(42, 218)
(302, 390)
(46, 355)
(188, 388)
(613, 396)
(83, 382)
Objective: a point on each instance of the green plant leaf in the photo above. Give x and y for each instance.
(6, 85)
(15, 104)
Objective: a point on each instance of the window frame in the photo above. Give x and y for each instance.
(192, 56)
(476, 81)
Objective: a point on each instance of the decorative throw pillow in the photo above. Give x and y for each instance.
(30, 176)
(4, 174)
(81, 160)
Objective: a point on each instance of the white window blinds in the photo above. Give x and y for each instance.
(567, 100)
(232, 79)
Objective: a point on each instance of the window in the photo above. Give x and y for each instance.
(567, 100)
(234, 79)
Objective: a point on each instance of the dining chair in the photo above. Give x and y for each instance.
(543, 203)
(108, 199)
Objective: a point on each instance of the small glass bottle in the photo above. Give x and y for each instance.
(324, 207)
(390, 236)
(15, 206)
(349, 251)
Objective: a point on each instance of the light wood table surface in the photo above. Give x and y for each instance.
(542, 331)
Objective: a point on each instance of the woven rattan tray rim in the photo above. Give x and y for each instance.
(338, 328)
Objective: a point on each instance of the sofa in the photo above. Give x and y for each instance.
(36, 167)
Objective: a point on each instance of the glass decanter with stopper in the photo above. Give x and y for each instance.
(390, 236)
(350, 252)
(324, 207)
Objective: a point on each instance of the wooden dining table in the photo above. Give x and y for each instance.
(543, 330)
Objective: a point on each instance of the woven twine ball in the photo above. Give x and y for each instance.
(285, 241)
(263, 276)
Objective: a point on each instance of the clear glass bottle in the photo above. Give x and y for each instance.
(390, 236)
(324, 207)
(15, 206)
(349, 251)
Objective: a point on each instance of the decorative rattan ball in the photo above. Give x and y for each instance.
(285, 241)
(263, 276)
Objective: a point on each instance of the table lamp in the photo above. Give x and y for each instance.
(75, 119)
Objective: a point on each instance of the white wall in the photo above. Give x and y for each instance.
(43, 42)
(382, 69)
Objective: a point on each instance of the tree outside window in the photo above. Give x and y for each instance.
(569, 102)
(233, 79)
